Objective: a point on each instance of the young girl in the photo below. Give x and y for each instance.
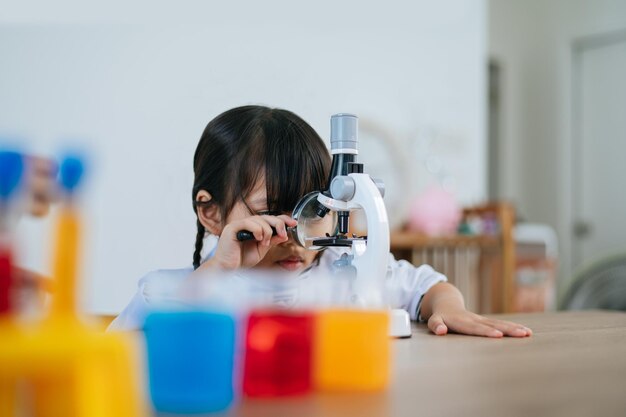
(251, 167)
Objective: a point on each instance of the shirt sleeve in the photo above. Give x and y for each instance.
(407, 284)
(134, 314)
(155, 288)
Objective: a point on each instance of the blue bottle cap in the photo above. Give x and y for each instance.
(11, 170)
(71, 171)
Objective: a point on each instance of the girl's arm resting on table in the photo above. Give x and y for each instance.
(444, 309)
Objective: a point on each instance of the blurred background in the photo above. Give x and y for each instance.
(509, 102)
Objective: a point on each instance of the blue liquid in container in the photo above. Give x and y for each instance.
(190, 360)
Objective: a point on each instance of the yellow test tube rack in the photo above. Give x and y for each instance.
(62, 366)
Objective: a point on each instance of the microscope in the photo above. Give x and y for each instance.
(324, 220)
(349, 189)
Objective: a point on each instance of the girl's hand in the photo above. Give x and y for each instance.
(444, 306)
(465, 322)
(232, 254)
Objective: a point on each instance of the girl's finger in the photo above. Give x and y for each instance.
(289, 221)
(509, 328)
(267, 231)
(254, 227)
(474, 327)
(277, 223)
(437, 325)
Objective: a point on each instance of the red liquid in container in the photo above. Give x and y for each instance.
(5, 279)
(278, 353)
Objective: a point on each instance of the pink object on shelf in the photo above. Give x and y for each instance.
(435, 212)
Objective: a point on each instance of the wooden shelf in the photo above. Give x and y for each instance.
(412, 240)
(481, 266)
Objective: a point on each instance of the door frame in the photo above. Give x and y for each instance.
(578, 47)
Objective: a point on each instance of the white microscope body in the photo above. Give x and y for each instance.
(358, 191)
(370, 255)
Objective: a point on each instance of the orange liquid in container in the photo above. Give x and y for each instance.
(352, 350)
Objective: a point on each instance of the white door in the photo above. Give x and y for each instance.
(599, 178)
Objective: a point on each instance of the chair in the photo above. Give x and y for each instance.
(602, 285)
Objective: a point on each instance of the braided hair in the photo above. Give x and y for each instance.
(247, 143)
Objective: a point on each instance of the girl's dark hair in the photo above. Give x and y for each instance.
(245, 144)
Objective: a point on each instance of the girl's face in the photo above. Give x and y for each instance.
(288, 255)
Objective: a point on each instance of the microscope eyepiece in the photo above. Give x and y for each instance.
(321, 210)
(344, 129)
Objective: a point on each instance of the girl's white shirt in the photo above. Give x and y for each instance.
(405, 285)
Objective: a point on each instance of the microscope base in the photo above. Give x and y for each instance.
(399, 323)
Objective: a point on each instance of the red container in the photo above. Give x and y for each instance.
(278, 353)
(6, 279)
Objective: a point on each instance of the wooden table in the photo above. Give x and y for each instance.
(573, 365)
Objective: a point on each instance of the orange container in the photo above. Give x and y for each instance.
(352, 350)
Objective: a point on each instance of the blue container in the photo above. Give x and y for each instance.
(190, 360)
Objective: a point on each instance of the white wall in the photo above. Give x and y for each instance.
(532, 40)
(135, 86)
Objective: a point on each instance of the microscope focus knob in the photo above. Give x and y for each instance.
(342, 188)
